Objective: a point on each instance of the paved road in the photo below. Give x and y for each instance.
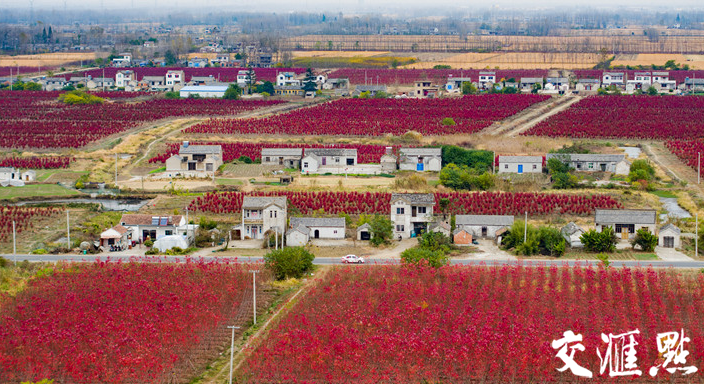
(332, 261)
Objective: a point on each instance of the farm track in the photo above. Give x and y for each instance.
(533, 116)
(672, 165)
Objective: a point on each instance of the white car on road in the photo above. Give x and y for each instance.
(352, 259)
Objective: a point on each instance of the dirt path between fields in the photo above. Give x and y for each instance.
(543, 114)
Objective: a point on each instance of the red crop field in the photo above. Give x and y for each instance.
(34, 162)
(219, 74)
(437, 76)
(367, 153)
(36, 120)
(377, 117)
(393, 324)
(687, 150)
(486, 203)
(108, 322)
(636, 117)
(23, 218)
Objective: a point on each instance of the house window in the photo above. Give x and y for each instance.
(505, 166)
(266, 159)
(337, 159)
(422, 209)
(631, 228)
(350, 161)
(399, 228)
(591, 165)
(169, 232)
(271, 214)
(535, 166)
(305, 165)
(335, 231)
(400, 211)
(191, 166)
(209, 167)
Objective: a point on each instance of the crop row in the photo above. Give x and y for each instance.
(367, 153)
(219, 74)
(23, 217)
(486, 203)
(437, 76)
(459, 324)
(34, 162)
(637, 117)
(35, 120)
(107, 322)
(687, 150)
(377, 117)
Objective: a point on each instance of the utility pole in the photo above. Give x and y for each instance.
(699, 167)
(276, 238)
(68, 231)
(188, 225)
(525, 228)
(696, 235)
(254, 292)
(232, 349)
(115, 169)
(14, 242)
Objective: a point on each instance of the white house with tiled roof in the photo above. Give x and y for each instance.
(262, 214)
(411, 213)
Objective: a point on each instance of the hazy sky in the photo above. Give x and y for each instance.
(345, 5)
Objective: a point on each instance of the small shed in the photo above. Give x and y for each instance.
(572, 233)
(297, 236)
(440, 227)
(669, 236)
(364, 232)
(462, 237)
(285, 179)
(117, 235)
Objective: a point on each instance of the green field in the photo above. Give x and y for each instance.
(35, 190)
(229, 182)
(59, 174)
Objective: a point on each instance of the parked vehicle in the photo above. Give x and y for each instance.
(352, 259)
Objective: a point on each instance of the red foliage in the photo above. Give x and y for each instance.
(390, 324)
(23, 218)
(35, 120)
(138, 322)
(376, 117)
(437, 76)
(221, 74)
(367, 153)
(638, 116)
(34, 162)
(687, 150)
(487, 203)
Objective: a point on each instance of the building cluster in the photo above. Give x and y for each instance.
(11, 176)
(165, 232)
(580, 162)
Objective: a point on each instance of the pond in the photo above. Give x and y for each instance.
(673, 209)
(631, 152)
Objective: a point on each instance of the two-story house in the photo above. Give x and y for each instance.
(261, 214)
(454, 84)
(174, 77)
(195, 161)
(613, 78)
(242, 77)
(287, 79)
(123, 78)
(487, 79)
(411, 213)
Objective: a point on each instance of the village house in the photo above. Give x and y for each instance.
(287, 79)
(461, 237)
(662, 82)
(626, 222)
(195, 161)
(572, 234)
(669, 236)
(202, 80)
(221, 60)
(440, 227)
(303, 229)
(487, 79)
(174, 77)
(289, 90)
(420, 159)
(371, 89)
(520, 164)
(100, 83)
(116, 236)
(425, 89)
(205, 91)
(262, 215)
(454, 84)
(364, 232)
(286, 157)
(13, 174)
(587, 86)
(123, 60)
(242, 77)
(411, 213)
(124, 78)
(76, 80)
(143, 227)
(617, 79)
(335, 83)
(332, 160)
(594, 162)
(154, 81)
(484, 226)
(527, 83)
(388, 161)
(198, 62)
(53, 83)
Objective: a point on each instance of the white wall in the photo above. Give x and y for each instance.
(217, 94)
(513, 167)
(669, 233)
(328, 232)
(476, 230)
(296, 239)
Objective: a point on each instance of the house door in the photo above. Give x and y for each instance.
(316, 234)
(365, 235)
(669, 241)
(484, 232)
(419, 167)
(624, 233)
(281, 161)
(520, 168)
(254, 232)
(603, 167)
(324, 161)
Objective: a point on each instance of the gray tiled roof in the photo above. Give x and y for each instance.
(371, 88)
(153, 78)
(258, 202)
(331, 151)
(520, 159)
(318, 222)
(299, 228)
(282, 151)
(414, 198)
(7, 169)
(556, 79)
(671, 227)
(364, 226)
(625, 216)
(589, 81)
(200, 149)
(596, 157)
(571, 229)
(421, 151)
(490, 220)
(531, 79)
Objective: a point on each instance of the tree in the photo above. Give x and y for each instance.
(232, 92)
(172, 95)
(170, 58)
(381, 229)
(251, 79)
(479, 160)
(416, 256)
(32, 86)
(266, 87)
(652, 91)
(469, 88)
(641, 170)
(536, 87)
(604, 241)
(462, 177)
(79, 97)
(435, 241)
(309, 84)
(290, 262)
(645, 240)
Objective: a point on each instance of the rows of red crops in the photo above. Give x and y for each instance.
(437, 76)
(35, 120)
(367, 153)
(486, 203)
(110, 322)
(479, 324)
(35, 162)
(23, 217)
(376, 117)
(638, 117)
(687, 150)
(220, 74)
